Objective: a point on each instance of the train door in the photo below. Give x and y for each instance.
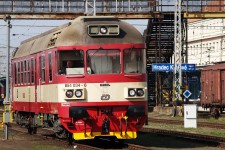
(222, 86)
(34, 81)
(38, 81)
(216, 87)
(41, 79)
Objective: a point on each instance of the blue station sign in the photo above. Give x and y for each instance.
(160, 67)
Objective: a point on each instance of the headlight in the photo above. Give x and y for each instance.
(140, 92)
(69, 93)
(103, 30)
(131, 92)
(78, 93)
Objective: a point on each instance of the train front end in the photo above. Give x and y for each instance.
(105, 92)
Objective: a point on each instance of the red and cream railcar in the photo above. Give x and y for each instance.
(103, 94)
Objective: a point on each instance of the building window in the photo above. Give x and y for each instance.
(192, 51)
(196, 49)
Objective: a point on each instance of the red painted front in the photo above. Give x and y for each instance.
(94, 110)
(96, 117)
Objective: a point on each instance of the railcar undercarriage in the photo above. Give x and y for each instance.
(32, 121)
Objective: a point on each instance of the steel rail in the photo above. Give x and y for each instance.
(220, 141)
(179, 122)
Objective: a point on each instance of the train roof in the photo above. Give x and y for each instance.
(75, 33)
(217, 66)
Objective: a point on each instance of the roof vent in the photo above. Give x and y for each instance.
(53, 39)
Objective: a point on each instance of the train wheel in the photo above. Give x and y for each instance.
(35, 130)
(121, 141)
(17, 118)
(30, 130)
(221, 110)
(70, 138)
(59, 130)
(61, 134)
(215, 113)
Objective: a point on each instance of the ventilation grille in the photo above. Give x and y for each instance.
(53, 39)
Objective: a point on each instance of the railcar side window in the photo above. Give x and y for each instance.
(50, 66)
(21, 72)
(134, 61)
(32, 70)
(25, 72)
(15, 73)
(28, 71)
(103, 62)
(18, 72)
(42, 68)
(71, 62)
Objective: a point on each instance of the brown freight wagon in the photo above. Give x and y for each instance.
(213, 87)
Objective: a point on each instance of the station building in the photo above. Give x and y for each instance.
(206, 41)
(206, 46)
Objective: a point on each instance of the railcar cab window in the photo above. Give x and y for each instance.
(70, 62)
(103, 62)
(134, 61)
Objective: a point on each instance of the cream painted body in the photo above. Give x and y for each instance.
(24, 94)
(92, 92)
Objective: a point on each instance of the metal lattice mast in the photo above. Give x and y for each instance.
(177, 74)
(90, 8)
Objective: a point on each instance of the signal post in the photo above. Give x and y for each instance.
(7, 102)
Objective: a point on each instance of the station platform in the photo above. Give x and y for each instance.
(163, 110)
(169, 110)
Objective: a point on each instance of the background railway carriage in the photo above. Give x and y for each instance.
(103, 95)
(213, 88)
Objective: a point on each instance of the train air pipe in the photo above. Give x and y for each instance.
(120, 125)
(105, 126)
(125, 117)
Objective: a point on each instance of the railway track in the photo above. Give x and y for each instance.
(220, 141)
(48, 134)
(83, 145)
(139, 143)
(179, 122)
